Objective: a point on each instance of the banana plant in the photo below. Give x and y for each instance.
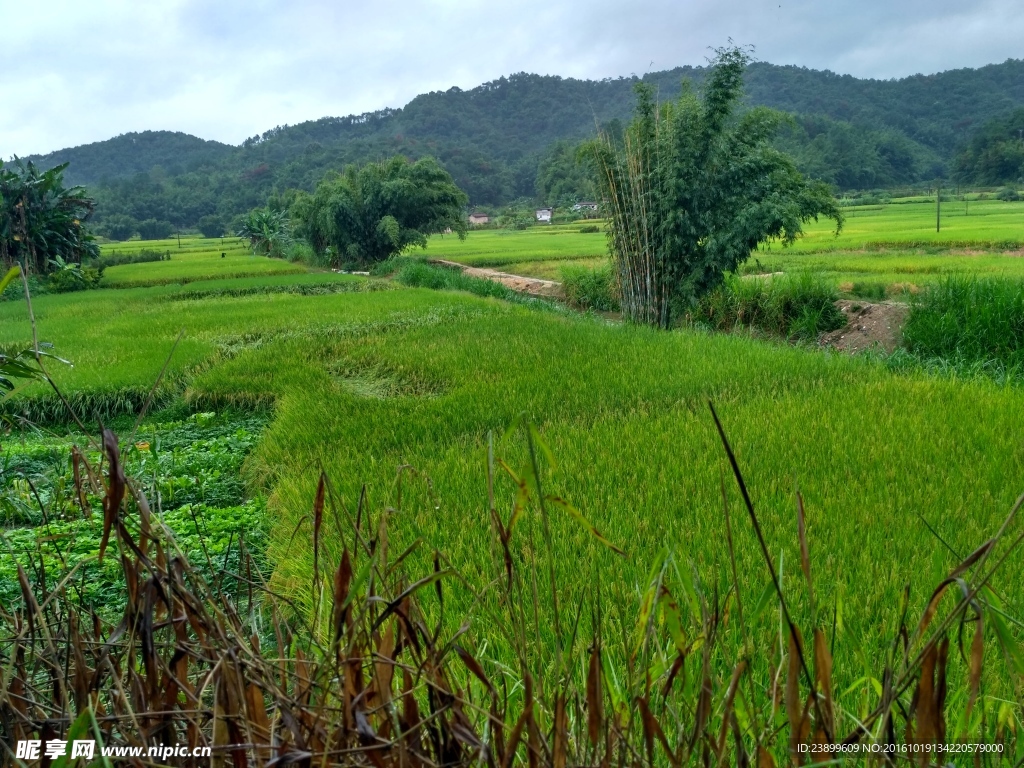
(267, 231)
(41, 220)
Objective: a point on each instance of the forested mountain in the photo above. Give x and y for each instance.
(512, 138)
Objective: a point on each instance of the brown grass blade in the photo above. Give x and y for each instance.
(975, 667)
(115, 487)
(561, 732)
(799, 724)
(342, 579)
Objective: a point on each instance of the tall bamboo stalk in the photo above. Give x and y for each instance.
(628, 180)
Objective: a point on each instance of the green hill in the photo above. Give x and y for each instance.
(854, 133)
(134, 153)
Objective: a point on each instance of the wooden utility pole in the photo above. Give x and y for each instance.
(938, 205)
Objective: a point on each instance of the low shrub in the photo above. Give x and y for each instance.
(590, 288)
(152, 229)
(392, 265)
(138, 257)
(794, 307)
(589, 229)
(303, 252)
(73, 278)
(1008, 195)
(968, 320)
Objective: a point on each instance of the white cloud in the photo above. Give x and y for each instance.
(72, 73)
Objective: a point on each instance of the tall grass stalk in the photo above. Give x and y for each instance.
(797, 307)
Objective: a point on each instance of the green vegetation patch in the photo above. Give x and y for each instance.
(988, 224)
(969, 320)
(794, 307)
(189, 467)
(590, 287)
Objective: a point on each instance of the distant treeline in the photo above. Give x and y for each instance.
(515, 138)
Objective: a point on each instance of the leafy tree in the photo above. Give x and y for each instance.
(153, 229)
(211, 226)
(517, 217)
(695, 189)
(378, 210)
(41, 219)
(120, 227)
(267, 231)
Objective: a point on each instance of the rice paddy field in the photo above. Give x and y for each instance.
(404, 390)
(190, 259)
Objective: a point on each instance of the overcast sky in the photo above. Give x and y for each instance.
(74, 72)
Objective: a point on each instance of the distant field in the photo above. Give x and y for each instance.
(498, 248)
(197, 259)
(982, 224)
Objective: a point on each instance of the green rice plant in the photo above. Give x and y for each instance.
(590, 288)
(793, 307)
(120, 353)
(319, 286)
(969, 320)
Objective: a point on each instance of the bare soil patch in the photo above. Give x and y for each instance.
(869, 326)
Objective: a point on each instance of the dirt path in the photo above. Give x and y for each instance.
(868, 325)
(529, 285)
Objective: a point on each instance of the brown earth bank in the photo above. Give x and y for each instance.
(868, 326)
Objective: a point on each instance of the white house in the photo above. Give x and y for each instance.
(585, 206)
(544, 214)
(477, 218)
